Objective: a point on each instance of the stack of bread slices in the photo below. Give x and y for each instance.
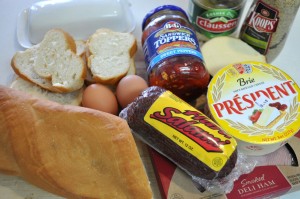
(58, 67)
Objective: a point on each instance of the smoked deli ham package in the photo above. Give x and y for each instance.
(188, 138)
(267, 180)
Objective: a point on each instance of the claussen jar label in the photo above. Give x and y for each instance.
(212, 22)
(255, 102)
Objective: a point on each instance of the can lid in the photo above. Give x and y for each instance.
(160, 8)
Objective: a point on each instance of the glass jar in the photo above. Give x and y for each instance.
(212, 18)
(172, 53)
(267, 25)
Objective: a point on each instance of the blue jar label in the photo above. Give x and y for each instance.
(171, 39)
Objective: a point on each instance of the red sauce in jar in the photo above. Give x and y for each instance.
(172, 53)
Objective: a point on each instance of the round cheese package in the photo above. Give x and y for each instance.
(256, 103)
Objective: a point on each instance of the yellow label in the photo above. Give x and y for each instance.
(255, 102)
(191, 130)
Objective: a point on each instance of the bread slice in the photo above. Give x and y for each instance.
(81, 48)
(72, 98)
(109, 55)
(52, 64)
(71, 151)
(222, 51)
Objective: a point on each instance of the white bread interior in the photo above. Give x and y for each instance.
(71, 98)
(109, 55)
(71, 151)
(221, 51)
(52, 64)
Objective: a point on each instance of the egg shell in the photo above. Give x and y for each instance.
(99, 97)
(129, 88)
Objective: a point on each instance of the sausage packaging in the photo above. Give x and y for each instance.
(188, 138)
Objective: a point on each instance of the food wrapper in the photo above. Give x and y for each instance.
(188, 138)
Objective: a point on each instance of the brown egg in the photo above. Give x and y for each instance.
(130, 87)
(99, 97)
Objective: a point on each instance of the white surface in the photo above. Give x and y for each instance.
(288, 60)
(65, 14)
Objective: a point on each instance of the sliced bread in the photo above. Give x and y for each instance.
(222, 51)
(53, 64)
(72, 98)
(109, 55)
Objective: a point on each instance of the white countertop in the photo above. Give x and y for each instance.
(288, 60)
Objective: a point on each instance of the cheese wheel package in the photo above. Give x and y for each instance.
(188, 138)
(256, 103)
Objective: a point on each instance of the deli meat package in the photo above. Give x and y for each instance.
(188, 138)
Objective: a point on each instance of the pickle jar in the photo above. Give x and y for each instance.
(172, 53)
(214, 18)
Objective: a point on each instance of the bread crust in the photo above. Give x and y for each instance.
(114, 79)
(71, 151)
(46, 82)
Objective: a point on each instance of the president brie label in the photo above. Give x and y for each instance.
(255, 102)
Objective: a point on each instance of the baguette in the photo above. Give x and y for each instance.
(109, 55)
(52, 64)
(71, 151)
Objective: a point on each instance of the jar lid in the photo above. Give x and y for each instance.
(255, 102)
(160, 8)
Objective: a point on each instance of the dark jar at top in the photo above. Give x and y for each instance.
(172, 53)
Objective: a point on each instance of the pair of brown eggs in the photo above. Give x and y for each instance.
(101, 97)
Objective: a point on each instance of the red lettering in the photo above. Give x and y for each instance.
(218, 107)
(189, 128)
(249, 101)
(289, 84)
(272, 93)
(229, 106)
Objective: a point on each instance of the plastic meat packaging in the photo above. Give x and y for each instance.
(77, 17)
(188, 138)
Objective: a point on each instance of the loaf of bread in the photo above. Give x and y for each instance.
(70, 151)
(71, 98)
(222, 51)
(109, 55)
(52, 64)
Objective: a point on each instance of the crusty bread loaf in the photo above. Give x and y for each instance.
(109, 55)
(222, 51)
(71, 151)
(72, 98)
(52, 64)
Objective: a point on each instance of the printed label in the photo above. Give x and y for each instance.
(214, 22)
(191, 130)
(171, 39)
(256, 102)
(259, 27)
(260, 183)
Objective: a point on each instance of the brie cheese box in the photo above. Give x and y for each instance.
(256, 103)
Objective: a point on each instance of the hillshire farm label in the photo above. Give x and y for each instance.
(255, 101)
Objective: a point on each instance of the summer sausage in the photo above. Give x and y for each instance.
(181, 133)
